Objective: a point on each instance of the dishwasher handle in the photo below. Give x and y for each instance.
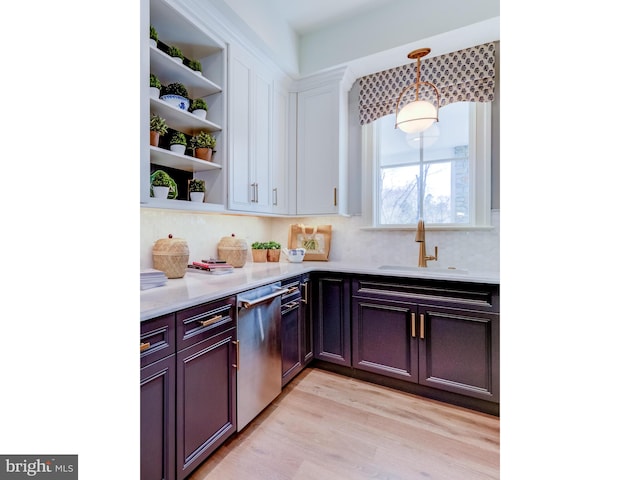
(246, 303)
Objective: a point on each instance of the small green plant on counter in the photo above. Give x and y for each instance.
(175, 52)
(153, 34)
(154, 81)
(198, 104)
(203, 140)
(259, 245)
(178, 138)
(195, 65)
(273, 245)
(158, 124)
(196, 185)
(175, 89)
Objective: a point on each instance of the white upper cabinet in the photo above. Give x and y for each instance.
(256, 137)
(322, 134)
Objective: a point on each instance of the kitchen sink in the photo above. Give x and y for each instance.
(429, 269)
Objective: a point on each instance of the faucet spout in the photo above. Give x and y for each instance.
(422, 251)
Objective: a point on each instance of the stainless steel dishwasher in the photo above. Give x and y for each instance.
(259, 366)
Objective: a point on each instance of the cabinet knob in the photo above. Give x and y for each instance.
(145, 346)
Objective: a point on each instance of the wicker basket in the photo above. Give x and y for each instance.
(171, 255)
(233, 250)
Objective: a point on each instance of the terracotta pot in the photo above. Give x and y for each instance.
(154, 138)
(204, 154)
(273, 255)
(259, 255)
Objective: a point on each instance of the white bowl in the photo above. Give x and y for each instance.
(176, 101)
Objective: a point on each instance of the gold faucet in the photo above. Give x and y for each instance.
(422, 252)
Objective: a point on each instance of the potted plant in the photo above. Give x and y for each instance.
(196, 66)
(162, 184)
(178, 143)
(259, 252)
(199, 107)
(153, 36)
(157, 126)
(273, 251)
(196, 190)
(175, 53)
(154, 86)
(176, 94)
(202, 145)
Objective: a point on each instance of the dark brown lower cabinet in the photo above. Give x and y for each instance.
(296, 342)
(331, 318)
(158, 420)
(206, 399)
(442, 336)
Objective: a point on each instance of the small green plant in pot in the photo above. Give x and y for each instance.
(273, 251)
(157, 127)
(175, 53)
(162, 185)
(153, 36)
(178, 143)
(259, 252)
(199, 107)
(195, 65)
(196, 190)
(203, 145)
(154, 86)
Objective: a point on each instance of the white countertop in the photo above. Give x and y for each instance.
(196, 288)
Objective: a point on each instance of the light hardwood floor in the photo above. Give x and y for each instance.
(326, 426)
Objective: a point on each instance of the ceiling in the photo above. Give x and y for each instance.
(305, 16)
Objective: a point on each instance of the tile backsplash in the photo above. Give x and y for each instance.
(351, 240)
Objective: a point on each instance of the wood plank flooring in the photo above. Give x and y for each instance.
(325, 426)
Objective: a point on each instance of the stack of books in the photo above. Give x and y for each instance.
(150, 278)
(211, 267)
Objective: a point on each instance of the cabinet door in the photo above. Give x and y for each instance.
(332, 320)
(279, 194)
(459, 351)
(385, 338)
(206, 399)
(157, 420)
(291, 333)
(318, 151)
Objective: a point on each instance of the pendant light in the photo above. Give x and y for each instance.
(418, 115)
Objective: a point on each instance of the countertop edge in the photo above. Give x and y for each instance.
(197, 288)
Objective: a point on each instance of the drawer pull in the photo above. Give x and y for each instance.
(237, 364)
(291, 290)
(413, 325)
(206, 323)
(145, 346)
(422, 326)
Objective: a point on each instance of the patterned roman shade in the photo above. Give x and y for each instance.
(463, 76)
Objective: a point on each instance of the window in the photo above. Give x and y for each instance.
(441, 175)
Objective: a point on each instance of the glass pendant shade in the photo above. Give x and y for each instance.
(416, 116)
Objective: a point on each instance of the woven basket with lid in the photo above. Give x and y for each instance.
(171, 255)
(233, 250)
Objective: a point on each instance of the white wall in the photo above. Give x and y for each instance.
(475, 250)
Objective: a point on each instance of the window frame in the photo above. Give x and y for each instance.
(479, 168)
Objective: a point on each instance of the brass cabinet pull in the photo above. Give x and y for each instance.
(291, 290)
(413, 325)
(237, 364)
(145, 346)
(304, 296)
(422, 326)
(206, 323)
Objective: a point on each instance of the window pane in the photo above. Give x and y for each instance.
(426, 177)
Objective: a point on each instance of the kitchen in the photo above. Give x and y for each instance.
(353, 243)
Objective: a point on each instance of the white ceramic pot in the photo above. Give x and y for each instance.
(200, 113)
(153, 43)
(177, 101)
(160, 192)
(154, 92)
(179, 149)
(177, 60)
(196, 196)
